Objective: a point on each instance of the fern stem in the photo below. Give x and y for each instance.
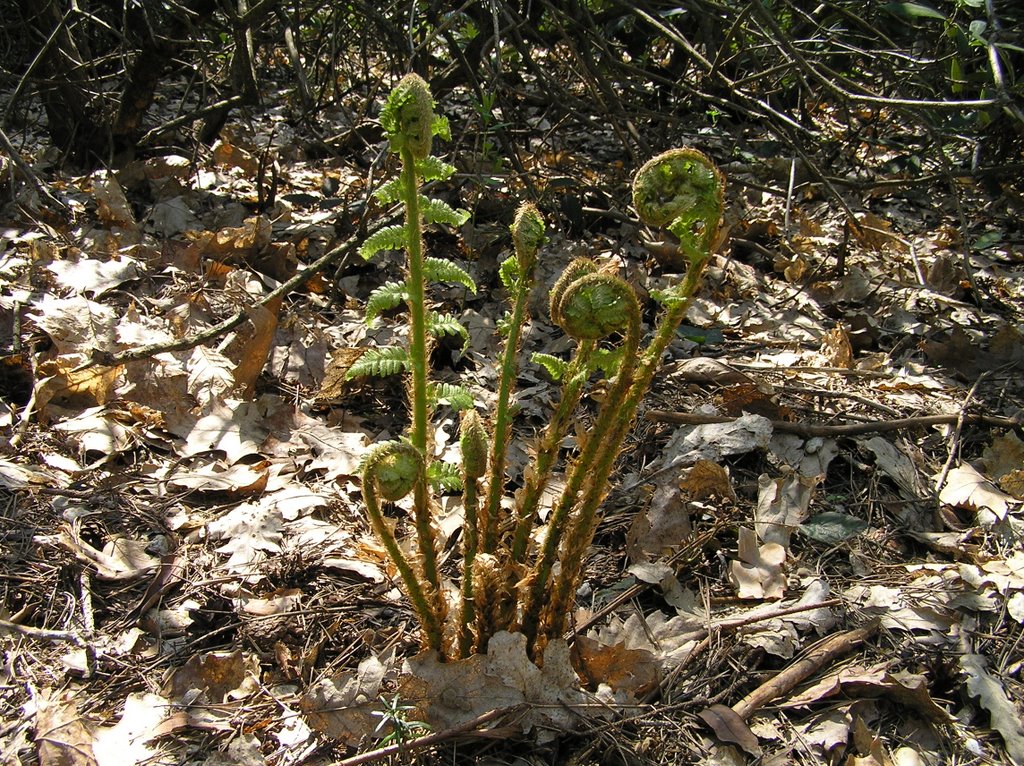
(467, 614)
(502, 419)
(418, 395)
(597, 445)
(416, 302)
(430, 620)
(547, 451)
(583, 525)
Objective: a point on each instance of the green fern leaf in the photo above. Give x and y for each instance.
(459, 398)
(385, 298)
(509, 273)
(607, 360)
(440, 128)
(440, 270)
(388, 238)
(433, 169)
(667, 298)
(446, 324)
(445, 477)
(555, 367)
(381, 362)
(436, 211)
(389, 192)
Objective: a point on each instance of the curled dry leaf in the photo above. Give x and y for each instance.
(729, 727)
(758, 573)
(782, 505)
(966, 487)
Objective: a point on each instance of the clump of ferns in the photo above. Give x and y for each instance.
(516, 576)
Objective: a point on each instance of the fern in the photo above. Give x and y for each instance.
(554, 366)
(385, 298)
(440, 128)
(447, 324)
(380, 362)
(510, 273)
(458, 397)
(669, 298)
(433, 169)
(440, 270)
(444, 477)
(388, 238)
(389, 192)
(607, 360)
(436, 211)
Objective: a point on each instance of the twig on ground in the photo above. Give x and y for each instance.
(844, 429)
(814, 659)
(954, 441)
(42, 634)
(469, 728)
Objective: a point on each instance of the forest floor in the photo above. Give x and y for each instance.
(813, 552)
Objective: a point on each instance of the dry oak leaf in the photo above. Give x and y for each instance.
(341, 708)
(1004, 714)
(903, 687)
(451, 693)
(966, 487)
(633, 671)
(1004, 462)
(836, 348)
(63, 738)
(758, 573)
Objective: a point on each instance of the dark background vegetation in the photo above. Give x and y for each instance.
(937, 79)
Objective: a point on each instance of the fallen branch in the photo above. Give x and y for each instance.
(463, 729)
(813, 660)
(843, 429)
(40, 633)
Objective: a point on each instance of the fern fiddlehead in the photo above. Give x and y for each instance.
(682, 190)
(391, 470)
(518, 274)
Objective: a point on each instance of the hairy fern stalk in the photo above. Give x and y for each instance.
(513, 578)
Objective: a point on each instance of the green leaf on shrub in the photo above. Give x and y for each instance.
(554, 366)
(447, 324)
(832, 527)
(380, 362)
(388, 238)
(440, 270)
(444, 477)
(913, 11)
(385, 298)
(436, 211)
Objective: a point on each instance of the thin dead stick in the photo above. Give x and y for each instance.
(845, 429)
(734, 624)
(41, 633)
(436, 738)
(813, 660)
(958, 430)
(108, 359)
(691, 551)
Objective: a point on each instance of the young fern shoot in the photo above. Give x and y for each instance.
(508, 581)
(410, 123)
